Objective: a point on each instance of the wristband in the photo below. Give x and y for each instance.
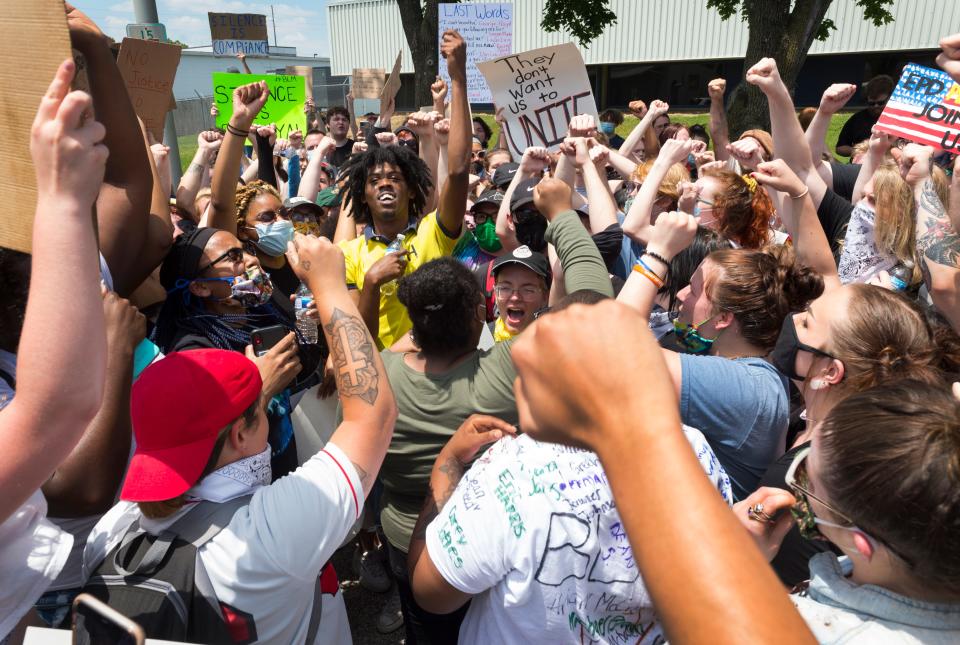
(801, 195)
(659, 258)
(648, 274)
(648, 268)
(237, 131)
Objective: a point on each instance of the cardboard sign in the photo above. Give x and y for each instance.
(540, 91)
(307, 73)
(239, 33)
(392, 85)
(148, 69)
(284, 107)
(367, 83)
(925, 108)
(24, 24)
(487, 29)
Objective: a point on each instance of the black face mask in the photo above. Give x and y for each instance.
(411, 144)
(531, 229)
(784, 354)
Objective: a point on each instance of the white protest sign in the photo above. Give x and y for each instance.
(487, 28)
(540, 91)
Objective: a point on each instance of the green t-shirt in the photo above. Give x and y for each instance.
(432, 407)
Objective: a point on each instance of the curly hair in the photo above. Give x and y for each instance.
(248, 193)
(744, 212)
(442, 298)
(357, 168)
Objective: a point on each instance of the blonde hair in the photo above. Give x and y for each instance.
(670, 186)
(895, 231)
(248, 193)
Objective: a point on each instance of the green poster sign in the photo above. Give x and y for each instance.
(284, 107)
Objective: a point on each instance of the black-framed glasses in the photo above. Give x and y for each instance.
(234, 255)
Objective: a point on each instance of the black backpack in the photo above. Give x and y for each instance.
(160, 582)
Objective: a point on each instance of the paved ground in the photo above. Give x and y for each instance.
(362, 606)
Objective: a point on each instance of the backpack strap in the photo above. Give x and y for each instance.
(197, 526)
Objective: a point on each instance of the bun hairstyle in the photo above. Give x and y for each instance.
(890, 461)
(886, 337)
(442, 298)
(743, 208)
(761, 288)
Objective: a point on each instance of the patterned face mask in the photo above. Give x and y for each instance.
(689, 336)
(252, 289)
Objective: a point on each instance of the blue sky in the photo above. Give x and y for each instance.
(300, 23)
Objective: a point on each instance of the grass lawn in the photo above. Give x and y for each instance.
(188, 144)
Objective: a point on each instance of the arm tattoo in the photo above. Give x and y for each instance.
(361, 473)
(195, 167)
(936, 239)
(452, 469)
(353, 357)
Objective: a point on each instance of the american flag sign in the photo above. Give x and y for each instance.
(925, 108)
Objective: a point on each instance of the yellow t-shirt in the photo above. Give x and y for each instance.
(425, 241)
(500, 331)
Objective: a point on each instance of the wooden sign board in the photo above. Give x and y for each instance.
(238, 33)
(307, 73)
(367, 83)
(148, 69)
(24, 24)
(392, 85)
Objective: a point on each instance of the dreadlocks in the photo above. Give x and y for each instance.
(415, 174)
(246, 194)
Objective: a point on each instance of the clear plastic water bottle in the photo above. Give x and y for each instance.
(396, 246)
(306, 325)
(901, 275)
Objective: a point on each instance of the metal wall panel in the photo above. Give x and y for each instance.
(368, 33)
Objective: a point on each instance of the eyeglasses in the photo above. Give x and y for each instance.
(265, 217)
(701, 200)
(234, 255)
(526, 293)
(877, 103)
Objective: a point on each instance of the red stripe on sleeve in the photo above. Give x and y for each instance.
(349, 483)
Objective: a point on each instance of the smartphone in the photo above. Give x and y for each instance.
(95, 623)
(265, 338)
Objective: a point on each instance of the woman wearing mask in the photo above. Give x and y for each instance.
(879, 483)
(254, 213)
(729, 320)
(610, 120)
(216, 295)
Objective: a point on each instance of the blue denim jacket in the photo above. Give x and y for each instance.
(838, 610)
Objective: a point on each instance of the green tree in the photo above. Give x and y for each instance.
(782, 30)
(583, 19)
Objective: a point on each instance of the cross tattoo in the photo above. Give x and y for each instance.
(353, 364)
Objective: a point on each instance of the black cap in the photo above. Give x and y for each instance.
(536, 262)
(503, 175)
(297, 202)
(489, 196)
(523, 194)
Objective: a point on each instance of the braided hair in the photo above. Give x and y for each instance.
(357, 168)
(246, 194)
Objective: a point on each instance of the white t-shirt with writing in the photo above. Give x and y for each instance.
(266, 562)
(533, 532)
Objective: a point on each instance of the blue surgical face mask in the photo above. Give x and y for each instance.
(607, 128)
(274, 236)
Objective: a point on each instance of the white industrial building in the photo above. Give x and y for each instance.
(670, 49)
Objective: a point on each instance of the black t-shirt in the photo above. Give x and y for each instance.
(857, 128)
(834, 214)
(286, 282)
(342, 153)
(792, 563)
(845, 178)
(609, 242)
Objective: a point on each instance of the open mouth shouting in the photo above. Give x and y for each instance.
(516, 316)
(387, 198)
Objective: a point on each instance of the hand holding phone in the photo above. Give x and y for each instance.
(96, 623)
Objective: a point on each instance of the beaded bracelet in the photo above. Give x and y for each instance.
(659, 258)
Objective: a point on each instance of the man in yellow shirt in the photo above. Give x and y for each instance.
(387, 190)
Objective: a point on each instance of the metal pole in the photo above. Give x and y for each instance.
(146, 11)
(274, 18)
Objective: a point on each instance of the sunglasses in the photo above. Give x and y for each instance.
(798, 482)
(265, 217)
(234, 255)
(479, 154)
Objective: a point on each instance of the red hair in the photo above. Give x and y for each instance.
(744, 209)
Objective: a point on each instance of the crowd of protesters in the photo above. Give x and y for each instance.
(663, 387)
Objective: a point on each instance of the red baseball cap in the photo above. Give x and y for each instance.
(178, 407)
